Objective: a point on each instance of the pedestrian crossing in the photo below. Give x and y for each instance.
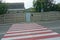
(30, 31)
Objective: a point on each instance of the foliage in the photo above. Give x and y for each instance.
(46, 5)
(3, 8)
(30, 10)
(58, 7)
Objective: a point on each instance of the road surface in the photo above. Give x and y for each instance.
(54, 25)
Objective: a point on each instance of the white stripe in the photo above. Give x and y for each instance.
(26, 30)
(28, 33)
(30, 36)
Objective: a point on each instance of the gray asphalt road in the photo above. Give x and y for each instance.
(3, 29)
(54, 25)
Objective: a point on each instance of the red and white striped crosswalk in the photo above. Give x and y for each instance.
(30, 31)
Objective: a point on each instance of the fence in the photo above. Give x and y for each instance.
(45, 16)
(12, 18)
(35, 17)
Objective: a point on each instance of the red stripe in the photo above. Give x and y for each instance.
(27, 34)
(25, 31)
(41, 37)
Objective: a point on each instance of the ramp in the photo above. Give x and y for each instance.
(30, 31)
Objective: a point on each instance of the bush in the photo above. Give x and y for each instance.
(3, 8)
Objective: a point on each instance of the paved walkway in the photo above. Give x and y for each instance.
(30, 31)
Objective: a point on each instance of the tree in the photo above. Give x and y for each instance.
(45, 5)
(3, 8)
(58, 7)
(37, 5)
